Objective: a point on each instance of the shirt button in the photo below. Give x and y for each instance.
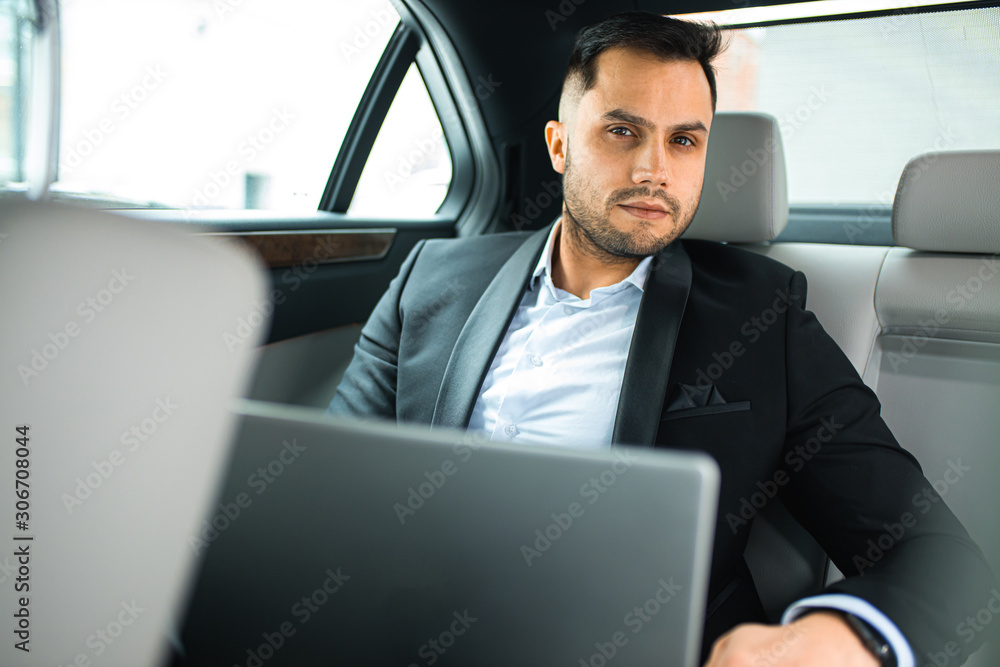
(510, 430)
(568, 310)
(535, 360)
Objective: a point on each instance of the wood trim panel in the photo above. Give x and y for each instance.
(293, 248)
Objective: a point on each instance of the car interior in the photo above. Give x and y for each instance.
(902, 271)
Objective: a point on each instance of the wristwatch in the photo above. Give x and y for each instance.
(872, 640)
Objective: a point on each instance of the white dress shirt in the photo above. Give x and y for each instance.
(556, 377)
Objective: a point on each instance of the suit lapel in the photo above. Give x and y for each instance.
(482, 333)
(654, 338)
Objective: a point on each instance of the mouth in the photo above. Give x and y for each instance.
(645, 209)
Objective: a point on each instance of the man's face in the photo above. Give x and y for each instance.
(633, 155)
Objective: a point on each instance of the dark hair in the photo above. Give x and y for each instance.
(663, 37)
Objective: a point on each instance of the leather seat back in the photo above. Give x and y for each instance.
(921, 324)
(936, 362)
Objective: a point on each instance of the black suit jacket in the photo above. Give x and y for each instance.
(713, 320)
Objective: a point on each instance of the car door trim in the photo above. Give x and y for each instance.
(280, 249)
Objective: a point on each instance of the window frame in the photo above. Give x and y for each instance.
(368, 118)
(877, 13)
(408, 45)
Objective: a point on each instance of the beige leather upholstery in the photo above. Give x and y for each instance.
(949, 202)
(744, 175)
(936, 365)
(941, 295)
(841, 292)
(921, 324)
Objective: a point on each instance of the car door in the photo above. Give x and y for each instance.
(265, 150)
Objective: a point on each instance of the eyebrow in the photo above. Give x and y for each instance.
(626, 117)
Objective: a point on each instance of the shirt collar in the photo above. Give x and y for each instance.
(543, 270)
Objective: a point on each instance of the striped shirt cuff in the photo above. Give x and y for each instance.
(863, 610)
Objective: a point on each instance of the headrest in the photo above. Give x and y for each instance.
(949, 202)
(745, 195)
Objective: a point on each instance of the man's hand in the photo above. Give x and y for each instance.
(819, 639)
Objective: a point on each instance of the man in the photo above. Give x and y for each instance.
(598, 329)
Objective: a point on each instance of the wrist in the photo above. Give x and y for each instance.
(864, 634)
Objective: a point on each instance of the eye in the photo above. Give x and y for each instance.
(688, 142)
(614, 130)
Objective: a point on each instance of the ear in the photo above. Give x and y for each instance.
(556, 135)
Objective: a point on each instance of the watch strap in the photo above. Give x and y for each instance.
(872, 639)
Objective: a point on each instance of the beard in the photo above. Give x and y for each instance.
(590, 227)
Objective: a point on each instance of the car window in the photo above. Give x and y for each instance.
(409, 169)
(24, 40)
(11, 168)
(856, 99)
(215, 105)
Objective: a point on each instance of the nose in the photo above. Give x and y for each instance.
(654, 166)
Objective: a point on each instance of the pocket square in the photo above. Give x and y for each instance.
(693, 396)
(693, 401)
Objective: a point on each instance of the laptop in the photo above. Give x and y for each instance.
(338, 541)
